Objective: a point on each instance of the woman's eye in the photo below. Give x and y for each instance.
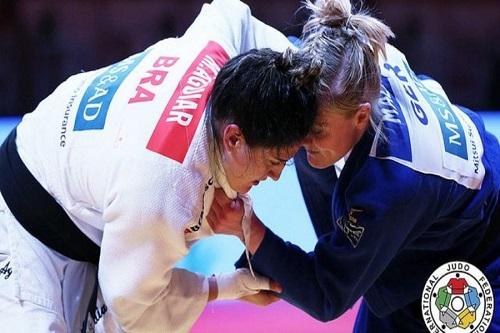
(316, 131)
(276, 162)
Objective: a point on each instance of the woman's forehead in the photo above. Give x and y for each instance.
(323, 117)
(282, 153)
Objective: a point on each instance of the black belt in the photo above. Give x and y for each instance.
(37, 211)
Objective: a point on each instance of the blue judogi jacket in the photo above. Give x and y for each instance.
(405, 203)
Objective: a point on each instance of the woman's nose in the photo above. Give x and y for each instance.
(275, 172)
(308, 140)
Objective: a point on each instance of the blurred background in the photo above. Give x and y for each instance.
(42, 42)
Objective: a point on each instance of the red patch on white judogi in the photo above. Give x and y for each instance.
(178, 123)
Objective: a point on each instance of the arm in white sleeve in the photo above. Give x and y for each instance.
(231, 22)
(140, 246)
(247, 31)
(144, 293)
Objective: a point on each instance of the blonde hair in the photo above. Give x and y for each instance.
(349, 46)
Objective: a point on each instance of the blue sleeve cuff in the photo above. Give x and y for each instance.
(268, 258)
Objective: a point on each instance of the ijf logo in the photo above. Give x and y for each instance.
(457, 298)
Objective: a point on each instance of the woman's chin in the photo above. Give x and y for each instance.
(245, 189)
(318, 162)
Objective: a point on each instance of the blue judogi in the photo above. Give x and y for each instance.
(406, 202)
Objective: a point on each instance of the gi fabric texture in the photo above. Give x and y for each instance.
(406, 202)
(125, 151)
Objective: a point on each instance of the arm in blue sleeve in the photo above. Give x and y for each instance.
(317, 188)
(329, 280)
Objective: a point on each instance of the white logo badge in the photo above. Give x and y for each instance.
(457, 298)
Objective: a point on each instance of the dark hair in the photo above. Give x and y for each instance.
(268, 94)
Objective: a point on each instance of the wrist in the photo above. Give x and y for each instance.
(258, 231)
(239, 283)
(213, 289)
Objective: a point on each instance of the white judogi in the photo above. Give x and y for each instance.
(124, 150)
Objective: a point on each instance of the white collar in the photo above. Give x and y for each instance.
(339, 165)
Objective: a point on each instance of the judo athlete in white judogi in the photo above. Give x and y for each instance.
(116, 169)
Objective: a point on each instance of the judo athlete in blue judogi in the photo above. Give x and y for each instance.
(397, 181)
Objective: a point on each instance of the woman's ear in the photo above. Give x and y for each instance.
(232, 138)
(362, 116)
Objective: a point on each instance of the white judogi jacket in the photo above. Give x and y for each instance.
(124, 151)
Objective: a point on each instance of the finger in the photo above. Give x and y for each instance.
(270, 296)
(275, 286)
(214, 213)
(212, 219)
(236, 205)
(262, 298)
(218, 197)
(221, 197)
(215, 209)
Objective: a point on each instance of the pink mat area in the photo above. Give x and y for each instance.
(280, 317)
